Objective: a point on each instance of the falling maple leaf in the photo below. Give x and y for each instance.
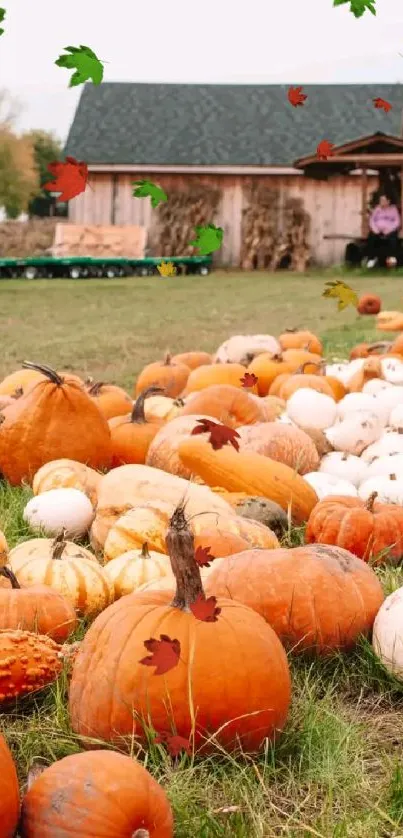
(86, 64)
(2, 16)
(205, 609)
(164, 654)
(71, 178)
(324, 149)
(220, 435)
(295, 96)
(358, 7)
(249, 380)
(203, 556)
(174, 744)
(208, 238)
(167, 269)
(146, 188)
(342, 293)
(382, 104)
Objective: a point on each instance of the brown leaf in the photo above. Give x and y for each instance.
(203, 556)
(249, 380)
(206, 609)
(174, 744)
(164, 654)
(220, 435)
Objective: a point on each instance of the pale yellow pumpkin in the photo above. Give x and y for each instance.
(66, 567)
(162, 407)
(135, 568)
(67, 474)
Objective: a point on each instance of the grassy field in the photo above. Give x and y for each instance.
(337, 771)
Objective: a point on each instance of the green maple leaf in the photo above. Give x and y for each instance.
(146, 188)
(358, 7)
(208, 239)
(342, 293)
(86, 64)
(2, 16)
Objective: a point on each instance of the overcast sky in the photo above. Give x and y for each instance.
(289, 41)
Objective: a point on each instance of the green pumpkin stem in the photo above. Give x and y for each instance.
(52, 375)
(180, 546)
(138, 413)
(8, 574)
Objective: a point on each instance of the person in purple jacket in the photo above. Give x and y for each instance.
(384, 226)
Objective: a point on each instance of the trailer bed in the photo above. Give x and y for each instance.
(89, 267)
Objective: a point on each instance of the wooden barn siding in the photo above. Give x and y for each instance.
(334, 206)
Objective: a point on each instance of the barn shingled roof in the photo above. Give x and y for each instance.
(223, 124)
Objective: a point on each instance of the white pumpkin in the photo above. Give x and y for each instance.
(376, 385)
(353, 402)
(388, 443)
(328, 484)
(389, 488)
(392, 369)
(355, 433)
(239, 348)
(345, 466)
(310, 409)
(60, 509)
(387, 636)
(382, 466)
(344, 371)
(396, 418)
(390, 397)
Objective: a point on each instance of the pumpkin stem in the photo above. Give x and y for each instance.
(301, 369)
(291, 330)
(8, 574)
(18, 392)
(141, 833)
(369, 503)
(179, 402)
(52, 375)
(167, 359)
(392, 477)
(138, 414)
(58, 545)
(94, 388)
(145, 553)
(277, 356)
(180, 546)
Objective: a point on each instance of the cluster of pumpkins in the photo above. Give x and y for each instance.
(185, 493)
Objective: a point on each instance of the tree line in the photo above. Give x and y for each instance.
(23, 164)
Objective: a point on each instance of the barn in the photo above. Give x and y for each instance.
(240, 156)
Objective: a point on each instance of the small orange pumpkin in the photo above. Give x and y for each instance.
(397, 345)
(300, 379)
(216, 374)
(193, 360)
(36, 608)
(369, 304)
(371, 368)
(28, 662)
(169, 376)
(131, 435)
(111, 400)
(300, 339)
(232, 406)
(268, 366)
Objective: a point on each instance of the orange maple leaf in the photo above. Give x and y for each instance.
(70, 178)
(164, 654)
(220, 435)
(203, 556)
(205, 609)
(249, 380)
(382, 104)
(295, 96)
(324, 149)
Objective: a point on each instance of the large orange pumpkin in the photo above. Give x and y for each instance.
(166, 374)
(301, 339)
(132, 434)
(115, 688)
(9, 792)
(55, 419)
(111, 399)
(163, 450)
(286, 444)
(316, 598)
(232, 406)
(193, 360)
(371, 530)
(36, 608)
(96, 793)
(210, 375)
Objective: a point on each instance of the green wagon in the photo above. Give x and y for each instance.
(88, 267)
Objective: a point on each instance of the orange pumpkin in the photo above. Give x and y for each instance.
(169, 376)
(19, 382)
(301, 339)
(100, 793)
(316, 598)
(9, 792)
(193, 360)
(131, 435)
(390, 321)
(67, 474)
(113, 693)
(36, 608)
(359, 351)
(369, 304)
(284, 443)
(28, 662)
(268, 366)
(228, 404)
(397, 346)
(211, 375)
(163, 450)
(55, 419)
(219, 543)
(371, 530)
(300, 379)
(337, 387)
(371, 368)
(111, 400)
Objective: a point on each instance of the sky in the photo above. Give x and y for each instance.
(260, 41)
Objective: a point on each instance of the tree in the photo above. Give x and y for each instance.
(47, 148)
(18, 174)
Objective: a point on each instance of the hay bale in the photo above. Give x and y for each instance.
(20, 239)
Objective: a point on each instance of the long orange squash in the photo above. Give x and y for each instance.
(238, 471)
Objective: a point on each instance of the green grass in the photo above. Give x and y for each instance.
(337, 771)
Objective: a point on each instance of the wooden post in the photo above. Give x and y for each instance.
(364, 214)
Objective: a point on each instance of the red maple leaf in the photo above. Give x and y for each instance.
(203, 556)
(249, 380)
(71, 178)
(220, 435)
(205, 609)
(174, 744)
(382, 104)
(324, 149)
(295, 97)
(164, 654)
